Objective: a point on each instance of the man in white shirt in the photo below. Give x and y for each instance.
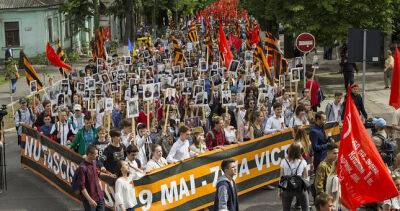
(180, 149)
(143, 143)
(63, 129)
(276, 122)
(126, 132)
(334, 110)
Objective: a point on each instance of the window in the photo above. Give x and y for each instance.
(50, 29)
(11, 30)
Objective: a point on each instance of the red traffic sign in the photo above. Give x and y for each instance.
(305, 42)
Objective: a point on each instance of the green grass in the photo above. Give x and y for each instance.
(2, 80)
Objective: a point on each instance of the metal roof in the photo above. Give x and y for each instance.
(18, 4)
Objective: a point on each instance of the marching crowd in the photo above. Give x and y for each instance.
(141, 132)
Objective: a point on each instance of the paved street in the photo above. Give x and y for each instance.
(26, 191)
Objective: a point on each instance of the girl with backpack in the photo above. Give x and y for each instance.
(294, 176)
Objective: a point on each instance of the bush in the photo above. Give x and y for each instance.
(40, 59)
(73, 56)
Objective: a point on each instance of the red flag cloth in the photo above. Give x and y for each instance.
(54, 59)
(235, 41)
(395, 86)
(224, 47)
(255, 35)
(363, 176)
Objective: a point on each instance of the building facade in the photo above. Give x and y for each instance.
(30, 24)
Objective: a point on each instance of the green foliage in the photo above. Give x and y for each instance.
(40, 59)
(78, 12)
(328, 20)
(72, 55)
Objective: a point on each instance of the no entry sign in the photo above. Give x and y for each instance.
(305, 42)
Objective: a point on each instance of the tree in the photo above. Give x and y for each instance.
(328, 20)
(77, 12)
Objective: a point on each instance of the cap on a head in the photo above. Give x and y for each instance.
(380, 122)
(22, 100)
(77, 107)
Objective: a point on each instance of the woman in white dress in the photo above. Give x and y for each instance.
(157, 160)
(125, 198)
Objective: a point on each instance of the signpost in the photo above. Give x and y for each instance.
(305, 42)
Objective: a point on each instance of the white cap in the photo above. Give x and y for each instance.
(77, 107)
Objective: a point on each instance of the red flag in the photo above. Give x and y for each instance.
(395, 86)
(363, 176)
(224, 47)
(54, 59)
(255, 35)
(235, 41)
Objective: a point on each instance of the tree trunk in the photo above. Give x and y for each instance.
(96, 14)
(289, 45)
(128, 20)
(134, 28)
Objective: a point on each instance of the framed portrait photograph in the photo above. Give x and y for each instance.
(148, 92)
(203, 66)
(109, 104)
(132, 108)
(295, 74)
(80, 87)
(282, 80)
(248, 56)
(240, 100)
(226, 98)
(215, 66)
(233, 66)
(33, 86)
(104, 78)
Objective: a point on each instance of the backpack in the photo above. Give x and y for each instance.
(387, 150)
(75, 180)
(292, 182)
(20, 115)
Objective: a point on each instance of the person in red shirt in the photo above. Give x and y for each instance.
(216, 137)
(314, 88)
(89, 182)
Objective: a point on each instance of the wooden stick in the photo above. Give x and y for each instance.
(120, 91)
(312, 79)
(108, 120)
(133, 131)
(148, 115)
(166, 120)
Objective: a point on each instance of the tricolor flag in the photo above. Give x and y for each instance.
(30, 72)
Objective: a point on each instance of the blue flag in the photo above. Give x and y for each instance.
(130, 47)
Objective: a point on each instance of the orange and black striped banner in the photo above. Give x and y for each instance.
(30, 72)
(187, 185)
(260, 57)
(192, 35)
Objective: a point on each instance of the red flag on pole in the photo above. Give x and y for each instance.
(235, 41)
(54, 59)
(224, 47)
(395, 86)
(363, 176)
